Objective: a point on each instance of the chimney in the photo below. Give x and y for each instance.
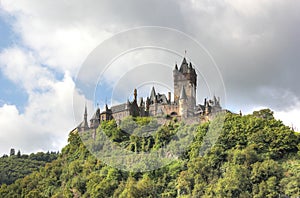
(169, 96)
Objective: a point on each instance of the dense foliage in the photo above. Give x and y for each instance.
(17, 166)
(254, 156)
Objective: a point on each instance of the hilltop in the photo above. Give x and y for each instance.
(254, 156)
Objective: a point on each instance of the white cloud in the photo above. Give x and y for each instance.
(290, 116)
(48, 115)
(22, 68)
(251, 8)
(58, 41)
(45, 123)
(255, 43)
(15, 129)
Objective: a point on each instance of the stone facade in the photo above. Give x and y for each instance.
(183, 106)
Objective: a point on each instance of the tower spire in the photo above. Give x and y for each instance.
(85, 122)
(85, 112)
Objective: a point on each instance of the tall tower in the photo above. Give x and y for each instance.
(185, 77)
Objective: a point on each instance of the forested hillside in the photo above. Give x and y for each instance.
(18, 166)
(254, 156)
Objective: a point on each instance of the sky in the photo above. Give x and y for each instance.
(44, 45)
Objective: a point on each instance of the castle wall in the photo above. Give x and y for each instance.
(163, 109)
(120, 115)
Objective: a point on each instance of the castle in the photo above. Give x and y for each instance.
(183, 106)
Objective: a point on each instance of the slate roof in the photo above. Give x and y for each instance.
(118, 108)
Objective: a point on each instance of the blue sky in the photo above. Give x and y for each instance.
(6, 33)
(11, 93)
(43, 45)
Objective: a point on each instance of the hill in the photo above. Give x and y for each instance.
(254, 156)
(18, 166)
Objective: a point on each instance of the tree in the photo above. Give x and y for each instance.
(19, 154)
(254, 156)
(264, 114)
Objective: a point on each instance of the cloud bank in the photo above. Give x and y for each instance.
(255, 44)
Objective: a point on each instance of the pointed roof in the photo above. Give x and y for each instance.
(84, 123)
(176, 67)
(85, 110)
(141, 101)
(184, 66)
(153, 94)
(182, 93)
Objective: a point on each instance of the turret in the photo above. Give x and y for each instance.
(183, 107)
(141, 102)
(153, 98)
(135, 95)
(206, 111)
(147, 104)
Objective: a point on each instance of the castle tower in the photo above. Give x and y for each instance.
(183, 106)
(185, 77)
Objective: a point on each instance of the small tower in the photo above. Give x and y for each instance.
(153, 98)
(183, 107)
(135, 95)
(106, 115)
(83, 126)
(142, 107)
(206, 111)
